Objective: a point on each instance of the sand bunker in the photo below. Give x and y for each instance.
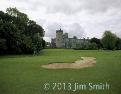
(84, 62)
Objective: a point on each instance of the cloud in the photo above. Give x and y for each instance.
(73, 29)
(51, 29)
(82, 18)
(74, 6)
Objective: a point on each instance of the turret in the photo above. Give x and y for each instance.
(59, 38)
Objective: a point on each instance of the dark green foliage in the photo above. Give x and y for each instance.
(109, 40)
(37, 43)
(3, 46)
(92, 46)
(97, 42)
(118, 44)
(43, 43)
(17, 33)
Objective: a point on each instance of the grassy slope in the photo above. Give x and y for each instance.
(23, 74)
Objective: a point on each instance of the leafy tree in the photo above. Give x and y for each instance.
(92, 46)
(3, 46)
(18, 34)
(43, 43)
(37, 43)
(33, 28)
(118, 44)
(109, 40)
(97, 41)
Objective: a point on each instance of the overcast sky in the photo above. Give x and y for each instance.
(81, 18)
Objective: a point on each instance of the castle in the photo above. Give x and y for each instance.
(63, 41)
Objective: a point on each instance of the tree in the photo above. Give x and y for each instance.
(37, 43)
(118, 44)
(92, 46)
(3, 46)
(109, 40)
(43, 43)
(18, 34)
(97, 41)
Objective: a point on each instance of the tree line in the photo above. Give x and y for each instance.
(109, 41)
(19, 34)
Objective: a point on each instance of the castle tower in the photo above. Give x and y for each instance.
(59, 38)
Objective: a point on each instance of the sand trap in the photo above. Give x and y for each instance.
(83, 63)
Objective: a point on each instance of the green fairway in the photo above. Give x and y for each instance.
(22, 74)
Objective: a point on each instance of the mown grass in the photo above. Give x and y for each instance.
(22, 74)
